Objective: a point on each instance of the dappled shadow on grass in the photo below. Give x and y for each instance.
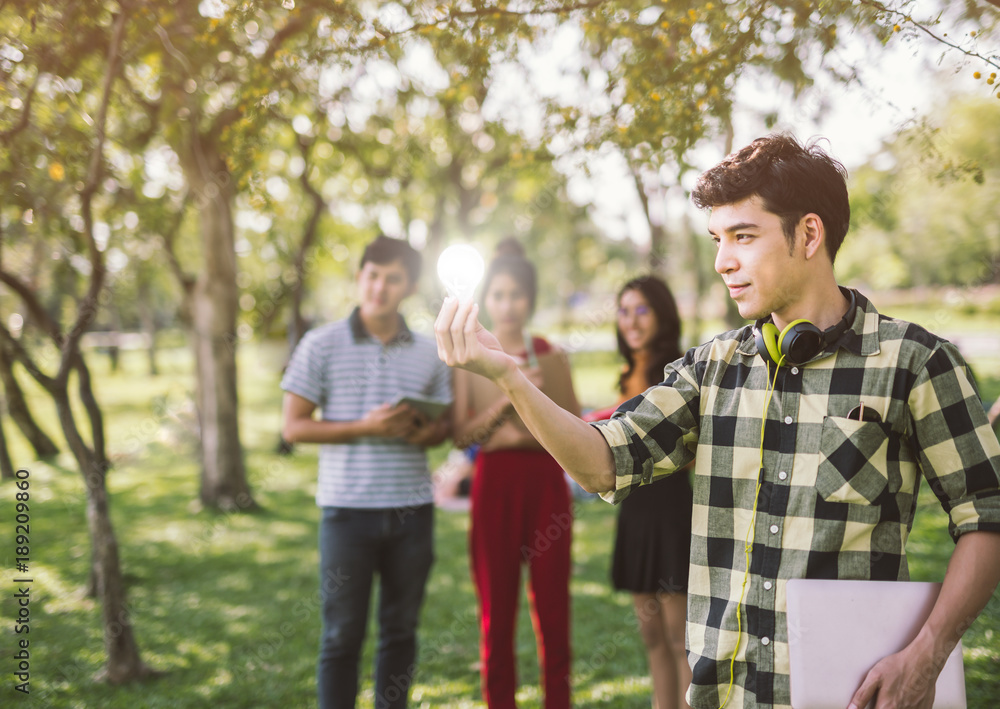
(219, 602)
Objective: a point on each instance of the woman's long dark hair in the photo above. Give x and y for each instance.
(665, 346)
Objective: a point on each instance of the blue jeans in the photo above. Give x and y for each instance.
(354, 545)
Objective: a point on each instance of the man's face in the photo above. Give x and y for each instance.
(382, 287)
(753, 258)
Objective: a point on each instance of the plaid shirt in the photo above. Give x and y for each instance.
(837, 495)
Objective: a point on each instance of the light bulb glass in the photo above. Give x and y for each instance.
(460, 269)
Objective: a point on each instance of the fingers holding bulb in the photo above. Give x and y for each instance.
(471, 327)
(442, 331)
(458, 330)
(455, 332)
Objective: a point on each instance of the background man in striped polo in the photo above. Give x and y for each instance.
(814, 454)
(374, 485)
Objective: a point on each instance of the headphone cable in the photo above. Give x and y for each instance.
(749, 539)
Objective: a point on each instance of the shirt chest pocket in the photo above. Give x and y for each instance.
(853, 461)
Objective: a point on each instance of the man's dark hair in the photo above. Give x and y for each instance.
(385, 250)
(790, 179)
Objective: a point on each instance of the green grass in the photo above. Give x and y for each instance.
(226, 606)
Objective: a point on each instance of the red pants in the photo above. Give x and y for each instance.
(521, 513)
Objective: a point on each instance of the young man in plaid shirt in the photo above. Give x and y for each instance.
(810, 438)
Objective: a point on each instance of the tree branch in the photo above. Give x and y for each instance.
(96, 418)
(449, 15)
(22, 356)
(186, 280)
(907, 18)
(38, 312)
(88, 306)
(290, 28)
(22, 122)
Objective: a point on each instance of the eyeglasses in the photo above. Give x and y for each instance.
(625, 313)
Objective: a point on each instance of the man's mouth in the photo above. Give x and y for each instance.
(736, 289)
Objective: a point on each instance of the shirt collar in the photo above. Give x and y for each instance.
(861, 338)
(361, 334)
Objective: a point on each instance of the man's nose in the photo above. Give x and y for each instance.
(724, 261)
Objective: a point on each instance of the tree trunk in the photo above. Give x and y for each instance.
(297, 323)
(657, 233)
(148, 319)
(19, 412)
(6, 466)
(214, 307)
(123, 661)
(435, 231)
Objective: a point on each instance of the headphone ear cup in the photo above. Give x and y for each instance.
(800, 341)
(766, 337)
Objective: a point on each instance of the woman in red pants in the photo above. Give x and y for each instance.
(521, 513)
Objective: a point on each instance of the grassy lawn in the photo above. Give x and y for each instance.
(226, 606)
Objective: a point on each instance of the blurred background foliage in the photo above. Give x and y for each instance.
(322, 126)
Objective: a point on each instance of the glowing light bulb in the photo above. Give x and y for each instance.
(460, 268)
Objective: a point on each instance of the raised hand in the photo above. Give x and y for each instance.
(463, 342)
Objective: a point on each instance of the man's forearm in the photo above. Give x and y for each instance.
(972, 576)
(579, 448)
(311, 431)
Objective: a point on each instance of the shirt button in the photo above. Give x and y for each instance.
(788, 419)
(795, 370)
(765, 641)
(774, 529)
(782, 475)
(767, 585)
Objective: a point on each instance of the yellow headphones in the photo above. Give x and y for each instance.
(800, 340)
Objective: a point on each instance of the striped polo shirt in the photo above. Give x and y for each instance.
(347, 372)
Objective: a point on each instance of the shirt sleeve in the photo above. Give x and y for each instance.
(304, 375)
(655, 433)
(957, 450)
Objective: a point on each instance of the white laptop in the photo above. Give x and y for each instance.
(838, 630)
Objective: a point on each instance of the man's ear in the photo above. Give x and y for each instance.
(814, 231)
